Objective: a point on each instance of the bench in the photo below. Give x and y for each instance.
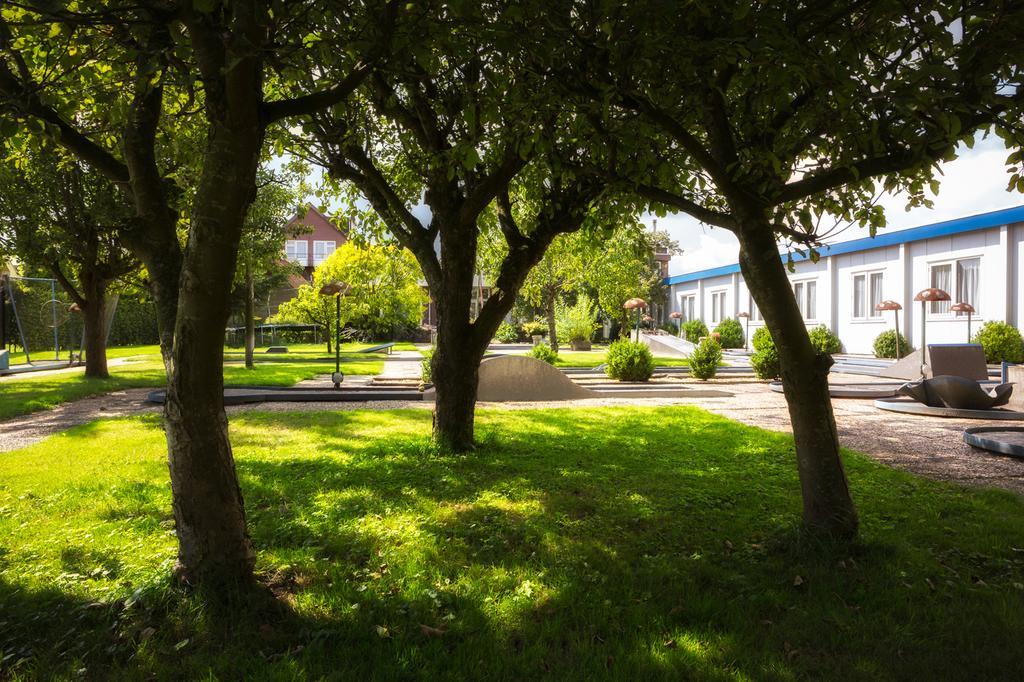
(379, 348)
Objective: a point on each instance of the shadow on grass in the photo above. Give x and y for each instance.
(630, 544)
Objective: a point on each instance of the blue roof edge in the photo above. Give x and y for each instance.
(979, 221)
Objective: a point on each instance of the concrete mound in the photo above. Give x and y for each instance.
(521, 378)
(667, 346)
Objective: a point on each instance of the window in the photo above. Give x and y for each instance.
(867, 293)
(717, 306)
(755, 312)
(966, 287)
(297, 251)
(806, 298)
(968, 278)
(321, 250)
(686, 307)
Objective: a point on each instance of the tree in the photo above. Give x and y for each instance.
(173, 102)
(463, 118)
(262, 241)
(779, 115)
(383, 295)
(56, 215)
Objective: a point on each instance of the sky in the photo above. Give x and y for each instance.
(973, 183)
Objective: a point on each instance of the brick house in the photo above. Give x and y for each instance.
(316, 238)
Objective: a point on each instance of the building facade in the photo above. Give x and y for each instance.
(315, 237)
(976, 259)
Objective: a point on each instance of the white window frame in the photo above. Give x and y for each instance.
(870, 314)
(753, 310)
(802, 305)
(688, 307)
(956, 295)
(294, 257)
(715, 310)
(317, 260)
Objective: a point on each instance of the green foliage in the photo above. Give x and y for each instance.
(507, 333)
(1001, 341)
(762, 339)
(427, 367)
(705, 358)
(730, 333)
(629, 361)
(544, 352)
(825, 340)
(577, 322)
(134, 322)
(535, 328)
(765, 359)
(693, 330)
(885, 345)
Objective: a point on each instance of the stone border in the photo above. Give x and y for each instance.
(906, 406)
(972, 438)
(244, 395)
(851, 390)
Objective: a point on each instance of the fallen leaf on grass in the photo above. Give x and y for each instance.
(431, 631)
(382, 631)
(798, 581)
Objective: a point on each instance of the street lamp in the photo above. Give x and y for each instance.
(336, 289)
(964, 307)
(926, 296)
(678, 317)
(745, 316)
(895, 308)
(636, 304)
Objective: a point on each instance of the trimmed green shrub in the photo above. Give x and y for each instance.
(629, 361)
(1001, 341)
(506, 333)
(766, 363)
(705, 358)
(825, 340)
(694, 329)
(543, 351)
(762, 339)
(426, 371)
(885, 345)
(535, 328)
(730, 333)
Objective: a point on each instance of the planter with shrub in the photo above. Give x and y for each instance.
(577, 322)
(693, 330)
(535, 330)
(544, 352)
(705, 358)
(885, 345)
(730, 333)
(1001, 341)
(629, 361)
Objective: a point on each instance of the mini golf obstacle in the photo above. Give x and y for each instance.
(1004, 440)
(862, 391)
(909, 406)
(246, 395)
(518, 378)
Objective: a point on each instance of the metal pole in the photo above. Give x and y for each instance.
(924, 344)
(3, 312)
(337, 333)
(53, 309)
(968, 327)
(896, 313)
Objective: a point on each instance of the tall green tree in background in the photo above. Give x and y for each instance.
(173, 102)
(463, 119)
(55, 214)
(764, 118)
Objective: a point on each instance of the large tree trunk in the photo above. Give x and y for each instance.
(549, 309)
(827, 505)
(94, 314)
(250, 317)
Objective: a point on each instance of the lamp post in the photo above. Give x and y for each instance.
(895, 308)
(678, 317)
(636, 304)
(745, 316)
(926, 296)
(336, 289)
(963, 307)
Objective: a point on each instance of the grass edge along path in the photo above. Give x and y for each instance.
(606, 543)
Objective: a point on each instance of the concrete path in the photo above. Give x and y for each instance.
(402, 364)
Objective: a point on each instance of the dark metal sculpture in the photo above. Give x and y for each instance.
(956, 392)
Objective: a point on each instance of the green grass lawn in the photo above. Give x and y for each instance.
(143, 368)
(623, 543)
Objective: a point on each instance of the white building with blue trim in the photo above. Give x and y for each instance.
(976, 260)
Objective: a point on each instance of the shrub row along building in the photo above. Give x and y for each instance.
(976, 259)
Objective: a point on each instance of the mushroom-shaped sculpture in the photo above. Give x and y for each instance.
(964, 307)
(926, 296)
(675, 315)
(636, 304)
(678, 317)
(895, 308)
(336, 289)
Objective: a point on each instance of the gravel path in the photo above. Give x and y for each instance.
(929, 446)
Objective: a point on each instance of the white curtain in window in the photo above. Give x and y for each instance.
(968, 273)
(859, 299)
(812, 303)
(942, 276)
(876, 294)
(798, 294)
